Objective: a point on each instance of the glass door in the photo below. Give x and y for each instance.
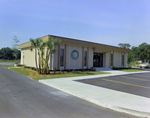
(98, 60)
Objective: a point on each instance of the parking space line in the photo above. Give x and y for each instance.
(125, 83)
(142, 75)
(134, 78)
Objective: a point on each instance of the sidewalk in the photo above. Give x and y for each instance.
(115, 100)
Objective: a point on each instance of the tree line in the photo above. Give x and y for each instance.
(141, 52)
(11, 53)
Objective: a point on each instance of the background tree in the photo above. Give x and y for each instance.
(135, 52)
(11, 53)
(124, 45)
(144, 52)
(16, 53)
(1, 54)
(130, 57)
(141, 52)
(6, 53)
(15, 43)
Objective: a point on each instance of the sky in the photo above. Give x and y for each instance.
(102, 21)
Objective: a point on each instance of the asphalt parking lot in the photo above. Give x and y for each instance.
(137, 84)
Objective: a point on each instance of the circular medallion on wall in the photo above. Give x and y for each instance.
(74, 54)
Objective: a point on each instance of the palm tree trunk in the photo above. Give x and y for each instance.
(47, 62)
(36, 60)
(45, 65)
(39, 63)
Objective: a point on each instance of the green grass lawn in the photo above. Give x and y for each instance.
(15, 61)
(131, 70)
(9, 66)
(19, 70)
(71, 74)
(59, 74)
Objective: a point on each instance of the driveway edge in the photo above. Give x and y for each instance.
(105, 105)
(63, 85)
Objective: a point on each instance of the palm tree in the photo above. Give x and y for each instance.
(51, 44)
(39, 46)
(34, 44)
(41, 54)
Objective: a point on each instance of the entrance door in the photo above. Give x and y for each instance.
(98, 60)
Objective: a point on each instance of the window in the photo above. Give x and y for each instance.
(122, 60)
(85, 58)
(61, 57)
(112, 59)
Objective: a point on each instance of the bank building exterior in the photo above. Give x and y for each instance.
(78, 54)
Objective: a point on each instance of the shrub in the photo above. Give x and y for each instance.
(120, 68)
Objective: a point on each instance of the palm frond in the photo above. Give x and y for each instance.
(30, 48)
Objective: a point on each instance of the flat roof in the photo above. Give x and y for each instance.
(71, 41)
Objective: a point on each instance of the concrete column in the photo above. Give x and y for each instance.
(124, 60)
(65, 53)
(113, 59)
(22, 59)
(110, 60)
(82, 57)
(52, 61)
(58, 61)
(87, 57)
(121, 59)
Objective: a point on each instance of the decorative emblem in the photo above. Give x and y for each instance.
(74, 54)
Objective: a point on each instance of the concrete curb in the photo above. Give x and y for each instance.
(14, 67)
(105, 105)
(99, 76)
(95, 101)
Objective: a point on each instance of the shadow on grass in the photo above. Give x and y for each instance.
(90, 73)
(21, 71)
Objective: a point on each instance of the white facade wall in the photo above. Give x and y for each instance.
(55, 59)
(104, 59)
(62, 47)
(71, 63)
(22, 57)
(107, 61)
(90, 58)
(125, 59)
(74, 63)
(28, 58)
(117, 59)
(85, 49)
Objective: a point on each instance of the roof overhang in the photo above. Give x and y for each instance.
(96, 46)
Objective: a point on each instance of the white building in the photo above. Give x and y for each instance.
(77, 54)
